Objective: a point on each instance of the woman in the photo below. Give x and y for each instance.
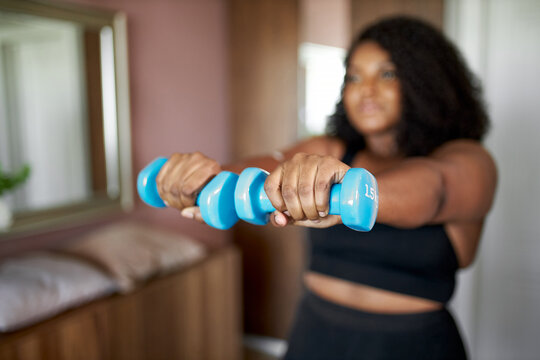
(411, 114)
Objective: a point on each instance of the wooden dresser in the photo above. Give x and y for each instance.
(194, 313)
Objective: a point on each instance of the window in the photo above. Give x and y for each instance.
(321, 77)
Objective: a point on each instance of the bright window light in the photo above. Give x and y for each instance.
(321, 78)
(109, 111)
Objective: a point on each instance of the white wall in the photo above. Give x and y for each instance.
(497, 300)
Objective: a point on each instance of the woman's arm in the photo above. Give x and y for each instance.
(456, 183)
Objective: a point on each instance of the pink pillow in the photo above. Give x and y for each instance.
(132, 252)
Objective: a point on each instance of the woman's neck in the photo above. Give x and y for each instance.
(382, 145)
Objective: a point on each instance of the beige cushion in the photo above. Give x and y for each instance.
(132, 252)
(39, 285)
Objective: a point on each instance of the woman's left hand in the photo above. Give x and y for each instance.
(299, 189)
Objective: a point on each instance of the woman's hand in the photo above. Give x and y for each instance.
(182, 178)
(299, 189)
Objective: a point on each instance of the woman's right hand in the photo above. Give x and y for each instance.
(299, 190)
(181, 179)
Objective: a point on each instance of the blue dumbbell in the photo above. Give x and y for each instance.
(216, 199)
(356, 199)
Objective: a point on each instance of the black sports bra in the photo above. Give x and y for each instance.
(419, 262)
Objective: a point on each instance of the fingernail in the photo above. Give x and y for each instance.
(187, 213)
(280, 220)
(286, 212)
(322, 213)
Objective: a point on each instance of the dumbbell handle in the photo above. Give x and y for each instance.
(267, 206)
(216, 199)
(355, 199)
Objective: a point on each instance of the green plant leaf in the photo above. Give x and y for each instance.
(10, 181)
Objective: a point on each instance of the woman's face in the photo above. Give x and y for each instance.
(372, 94)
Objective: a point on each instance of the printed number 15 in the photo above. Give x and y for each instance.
(370, 192)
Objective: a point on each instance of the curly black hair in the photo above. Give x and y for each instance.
(441, 98)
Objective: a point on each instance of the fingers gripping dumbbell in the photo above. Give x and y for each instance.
(227, 197)
(216, 199)
(356, 199)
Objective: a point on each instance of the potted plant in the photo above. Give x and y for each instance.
(9, 182)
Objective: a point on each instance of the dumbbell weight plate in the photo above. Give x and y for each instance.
(252, 204)
(359, 201)
(218, 195)
(146, 183)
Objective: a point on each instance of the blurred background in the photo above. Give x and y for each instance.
(236, 78)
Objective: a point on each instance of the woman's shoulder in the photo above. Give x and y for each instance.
(469, 144)
(469, 172)
(465, 150)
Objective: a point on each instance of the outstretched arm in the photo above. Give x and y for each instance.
(455, 184)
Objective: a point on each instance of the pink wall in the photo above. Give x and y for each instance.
(325, 22)
(178, 81)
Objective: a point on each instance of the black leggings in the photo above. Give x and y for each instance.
(324, 330)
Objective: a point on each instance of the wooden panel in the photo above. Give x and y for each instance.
(193, 314)
(263, 63)
(273, 261)
(7, 352)
(28, 348)
(78, 338)
(263, 93)
(125, 328)
(365, 11)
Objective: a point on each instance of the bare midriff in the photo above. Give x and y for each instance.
(366, 298)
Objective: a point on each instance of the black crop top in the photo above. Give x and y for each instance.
(419, 262)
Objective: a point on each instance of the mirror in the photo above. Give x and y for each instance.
(64, 113)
